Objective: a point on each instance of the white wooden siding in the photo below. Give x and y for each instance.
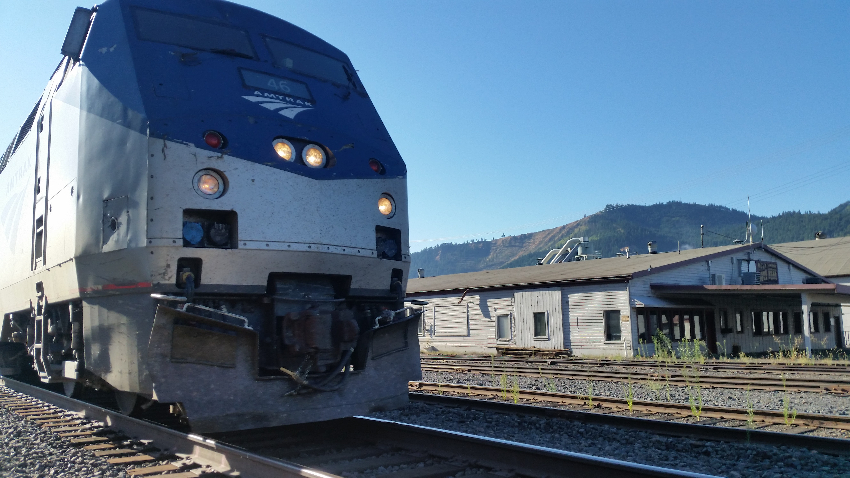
(699, 273)
(451, 320)
(468, 326)
(586, 307)
(543, 300)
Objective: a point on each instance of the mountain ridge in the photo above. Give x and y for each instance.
(671, 225)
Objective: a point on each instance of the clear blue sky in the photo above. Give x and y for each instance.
(515, 116)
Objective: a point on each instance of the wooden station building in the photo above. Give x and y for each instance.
(747, 298)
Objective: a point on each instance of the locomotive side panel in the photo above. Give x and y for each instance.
(18, 180)
(116, 340)
(112, 165)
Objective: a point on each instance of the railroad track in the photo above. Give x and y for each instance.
(676, 375)
(363, 446)
(734, 366)
(370, 447)
(148, 449)
(740, 420)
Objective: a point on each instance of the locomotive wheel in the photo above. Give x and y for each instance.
(127, 401)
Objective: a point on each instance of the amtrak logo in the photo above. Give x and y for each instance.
(285, 105)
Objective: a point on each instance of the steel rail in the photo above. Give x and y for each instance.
(387, 443)
(757, 382)
(200, 450)
(812, 420)
(705, 432)
(732, 365)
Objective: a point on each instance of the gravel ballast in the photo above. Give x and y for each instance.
(736, 460)
(658, 390)
(28, 451)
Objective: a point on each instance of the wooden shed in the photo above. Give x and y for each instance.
(747, 298)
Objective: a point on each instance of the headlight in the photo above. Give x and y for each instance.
(208, 184)
(313, 156)
(386, 205)
(284, 149)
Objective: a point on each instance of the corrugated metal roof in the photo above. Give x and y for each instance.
(598, 269)
(827, 257)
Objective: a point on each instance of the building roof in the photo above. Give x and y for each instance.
(771, 289)
(827, 257)
(597, 270)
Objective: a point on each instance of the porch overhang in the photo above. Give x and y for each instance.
(841, 291)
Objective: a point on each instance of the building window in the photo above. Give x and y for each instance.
(652, 326)
(725, 326)
(739, 321)
(541, 325)
(503, 327)
(612, 325)
(782, 322)
(798, 323)
(676, 325)
(827, 326)
(813, 320)
(641, 323)
(767, 322)
(665, 324)
(755, 316)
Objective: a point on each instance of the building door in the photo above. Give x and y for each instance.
(839, 334)
(710, 331)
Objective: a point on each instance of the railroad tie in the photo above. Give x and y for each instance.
(130, 459)
(184, 474)
(147, 470)
(99, 446)
(114, 451)
(76, 428)
(61, 423)
(80, 441)
(76, 434)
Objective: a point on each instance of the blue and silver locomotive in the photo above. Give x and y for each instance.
(204, 209)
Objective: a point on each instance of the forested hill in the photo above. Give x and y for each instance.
(619, 226)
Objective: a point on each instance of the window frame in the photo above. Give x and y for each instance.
(605, 325)
(723, 317)
(755, 321)
(353, 81)
(534, 316)
(739, 321)
(139, 36)
(510, 328)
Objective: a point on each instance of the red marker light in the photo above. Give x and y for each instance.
(214, 139)
(376, 166)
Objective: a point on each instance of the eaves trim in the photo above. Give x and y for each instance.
(526, 285)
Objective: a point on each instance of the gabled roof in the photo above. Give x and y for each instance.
(827, 257)
(611, 269)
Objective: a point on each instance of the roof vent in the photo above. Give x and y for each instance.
(820, 235)
(652, 248)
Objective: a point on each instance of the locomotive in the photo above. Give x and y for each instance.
(205, 210)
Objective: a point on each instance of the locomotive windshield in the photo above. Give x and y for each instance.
(152, 25)
(307, 62)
